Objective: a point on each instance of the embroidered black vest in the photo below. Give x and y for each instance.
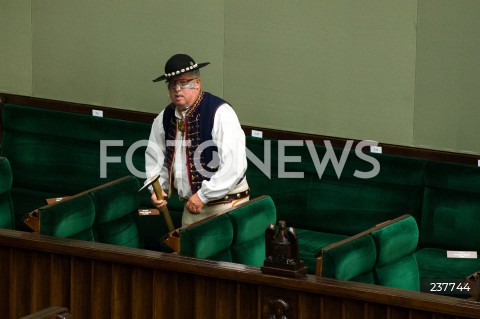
(198, 130)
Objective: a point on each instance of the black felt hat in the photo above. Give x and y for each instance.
(179, 64)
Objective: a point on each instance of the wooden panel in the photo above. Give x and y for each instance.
(59, 279)
(81, 288)
(226, 297)
(163, 285)
(376, 311)
(354, 309)
(101, 290)
(205, 301)
(95, 281)
(142, 293)
(183, 296)
(309, 307)
(20, 288)
(40, 268)
(332, 307)
(398, 313)
(5, 281)
(423, 315)
(121, 291)
(247, 301)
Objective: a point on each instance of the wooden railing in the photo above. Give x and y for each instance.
(103, 281)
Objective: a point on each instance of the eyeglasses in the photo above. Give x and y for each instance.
(181, 84)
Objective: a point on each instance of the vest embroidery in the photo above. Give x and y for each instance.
(198, 125)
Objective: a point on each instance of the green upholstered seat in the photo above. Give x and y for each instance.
(310, 243)
(450, 221)
(6, 204)
(106, 213)
(208, 239)
(70, 218)
(351, 259)
(250, 221)
(237, 235)
(396, 265)
(382, 255)
(435, 266)
(116, 206)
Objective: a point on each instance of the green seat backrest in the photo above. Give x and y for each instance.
(324, 203)
(250, 221)
(451, 207)
(116, 206)
(396, 265)
(71, 218)
(351, 259)
(6, 205)
(59, 152)
(208, 240)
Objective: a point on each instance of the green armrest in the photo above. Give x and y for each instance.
(396, 265)
(350, 259)
(71, 218)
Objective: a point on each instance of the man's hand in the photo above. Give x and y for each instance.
(158, 203)
(194, 204)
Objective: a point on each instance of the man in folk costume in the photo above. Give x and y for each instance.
(196, 146)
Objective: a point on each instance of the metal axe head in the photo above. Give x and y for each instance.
(149, 182)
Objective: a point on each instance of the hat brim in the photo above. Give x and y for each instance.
(165, 77)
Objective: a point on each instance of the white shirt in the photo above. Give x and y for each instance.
(229, 138)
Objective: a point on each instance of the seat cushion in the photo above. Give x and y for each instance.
(311, 242)
(121, 231)
(433, 264)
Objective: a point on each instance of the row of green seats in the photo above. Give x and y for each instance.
(106, 214)
(383, 255)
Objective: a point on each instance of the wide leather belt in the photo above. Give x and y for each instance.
(230, 198)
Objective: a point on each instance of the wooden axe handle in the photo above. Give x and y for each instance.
(166, 214)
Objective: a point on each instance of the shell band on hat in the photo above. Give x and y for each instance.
(187, 69)
(179, 64)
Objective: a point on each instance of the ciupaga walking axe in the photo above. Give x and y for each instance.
(158, 191)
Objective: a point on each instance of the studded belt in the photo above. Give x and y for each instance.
(230, 198)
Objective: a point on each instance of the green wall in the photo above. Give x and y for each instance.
(447, 90)
(399, 71)
(15, 47)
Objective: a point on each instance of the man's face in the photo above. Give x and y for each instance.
(183, 97)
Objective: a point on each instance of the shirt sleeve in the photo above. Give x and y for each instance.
(155, 153)
(228, 136)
